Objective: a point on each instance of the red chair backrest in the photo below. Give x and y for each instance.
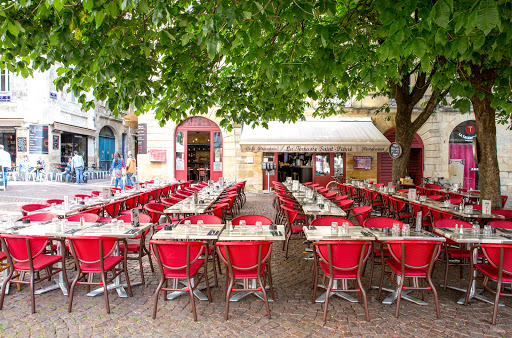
(113, 208)
(41, 217)
(94, 211)
(184, 193)
(455, 200)
(144, 198)
(432, 186)
(344, 255)
(132, 202)
(504, 199)
(290, 212)
(243, 256)
(251, 220)
(90, 218)
(173, 254)
(378, 185)
(403, 190)
(25, 209)
(492, 253)
(115, 190)
(207, 219)
(219, 209)
(501, 224)
(503, 212)
(18, 247)
(450, 223)
(417, 254)
(398, 205)
(153, 209)
(95, 193)
(326, 221)
(169, 201)
(345, 204)
(82, 196)
(56, 201)
(87, 248)
(437, 214)
(361, 213)
(381, 222)
(128, 218)
(155, 194)
(435, 197)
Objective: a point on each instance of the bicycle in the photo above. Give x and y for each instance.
(332, 185)
(439, 182)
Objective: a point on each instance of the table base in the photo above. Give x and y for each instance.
(405, 295)
(52, 287)
(476, 293)
(343, 295)
(119, 288)
(242, 294)
(197, 292)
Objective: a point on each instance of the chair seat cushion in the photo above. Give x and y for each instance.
(2, 256)
(108, 264)
(40, 262)
(385, 251)
(132, 247)
(456, 252)
(338, 273)
(297, 227)
(408, 271)
(404, 215)
(492, 272)
(182, 273)
(125, 212)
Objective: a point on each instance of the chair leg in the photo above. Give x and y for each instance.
(447, 266)
(141, 268)
(192, 300)
(399, 296)
(315, 282)
(365, 301)
(228, 293)
(128, 284)
(32, 294)
(267, 307)
(150, 260)
(72, 291)
(496, 303)
(436, 300)
(372, 265)
(105, 290)
(381, 281)
(4, 287)
(327, 296)
(155, 296)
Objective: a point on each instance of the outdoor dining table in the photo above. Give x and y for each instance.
(322, 233)
(61, 231)
(468, 237)
(188, 206)
(249, 233)
(312, 209)
(384, 235)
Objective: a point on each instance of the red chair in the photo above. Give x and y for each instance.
(56, 201)
(177, 261)
(89, 218)
(435, 197)
(95, 255)
(138, 245)
(499, 270)
(41, 217)
(405, 191)
(361, 213)
(113, 208)
(345, 205)
(95, 211)
(501, 224)
(115, 190)
(503, 212)
(156, 211)
(307, 184)
(504, 199)
(426, 221)
(438, 214)
(291, 227)
(412, 259)
(247, 261)
(341, 261)
(25, 209)
(82, 196)
(168, 201)
(455, 201)
(207, 219)
(251, 220)
(378, 185)
(379, 250)
(340, 198)
(25, 256)
(330, 195)
(327, 221)
(95, 193)
(399, 208)
(220, 211)
(452, 250)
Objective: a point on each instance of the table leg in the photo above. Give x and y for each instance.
(343, 295)
(197, 291)
(59, 282)
(6, 274)
(405, 295)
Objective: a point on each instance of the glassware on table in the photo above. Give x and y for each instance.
(344, 228)
(242, 223)
(468, 209)
(100, 195)
(259, 226)
(186, 224)
(334, 228)
(55, 220)
(200, 224)
(446, 203)
(121, 224)
(395, 229)
(487, 230)
(406, 230)
(475, 229)
(251, 229)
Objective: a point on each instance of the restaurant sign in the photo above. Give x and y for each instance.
(465, 132)
(283, 148)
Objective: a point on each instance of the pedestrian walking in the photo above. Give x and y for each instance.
(131, 168)
(116, 170)
(77, 164)
(5, 162)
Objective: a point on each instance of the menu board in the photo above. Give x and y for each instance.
(55, 142)
(142, 138)
(38, 139)
(395, 150)
(362, 162)
(158, 155)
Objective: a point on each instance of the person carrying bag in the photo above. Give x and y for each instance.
(131, 168)
(116, 170)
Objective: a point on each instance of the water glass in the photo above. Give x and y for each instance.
(475, 229)
(468, 209)
(446, 203)
(100, 195)
(396, 228)
(55, 220)
(121, 224)
(242, 223)
(200, 224)
(487, 230)
(259, 226)
(334, 228)
(406, 230)
(344, 228)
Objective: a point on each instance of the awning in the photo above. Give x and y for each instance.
(131, 120)
(73, 129)
(9, 124)
(357, 135)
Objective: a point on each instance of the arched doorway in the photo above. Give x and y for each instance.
(107, 146)
(462, 167)
(198, 146)
(415, 167)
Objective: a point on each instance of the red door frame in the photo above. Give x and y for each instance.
(197, 123)
(274, 177)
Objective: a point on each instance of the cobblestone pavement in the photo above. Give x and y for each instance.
(293, 314)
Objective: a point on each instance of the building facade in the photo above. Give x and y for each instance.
(38, 121)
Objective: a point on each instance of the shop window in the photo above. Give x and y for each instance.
(4, 80)
(217, 151)
(70, 143)
(338, 164)
(322, 165)
(180, 150)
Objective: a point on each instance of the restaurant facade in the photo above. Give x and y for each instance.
(354, 144)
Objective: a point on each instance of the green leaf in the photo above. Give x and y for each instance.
(88, 4)
(471, 21)
(419, 47)
(247, 15)
(478, 41)
(488, 16)
(12, 28)
(463, 105)
(99, 18)
(58, 5)
(442, 17)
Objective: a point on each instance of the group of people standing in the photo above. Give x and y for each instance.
(75, 164)
(118, 167)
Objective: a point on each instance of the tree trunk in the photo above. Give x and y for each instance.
(404, 136)
(488, 168)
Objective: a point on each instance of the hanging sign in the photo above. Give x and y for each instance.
(395, 150)
(38, 139)
(55, 142)
(142, 138)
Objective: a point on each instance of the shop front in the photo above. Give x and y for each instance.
(71, 139)
(199, 147)
(8, 135)
(315, 150)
